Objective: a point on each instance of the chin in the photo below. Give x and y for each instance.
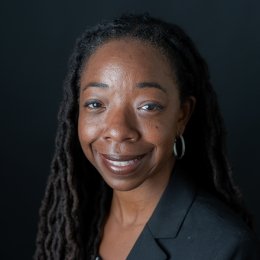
(123, 185)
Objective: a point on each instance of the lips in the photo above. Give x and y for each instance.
(122, 164)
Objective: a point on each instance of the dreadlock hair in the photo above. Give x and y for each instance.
(77, 200)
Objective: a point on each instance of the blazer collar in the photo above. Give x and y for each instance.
(146, 247)
(167, 219)
(173, 206)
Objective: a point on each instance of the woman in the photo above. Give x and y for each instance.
(122, 183)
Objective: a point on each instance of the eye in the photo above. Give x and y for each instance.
(93, 104)
(151, 107)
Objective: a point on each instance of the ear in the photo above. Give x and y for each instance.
(186, 110)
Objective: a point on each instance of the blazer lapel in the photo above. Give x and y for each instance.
(146, 247)
(166, 220)
(168, 216)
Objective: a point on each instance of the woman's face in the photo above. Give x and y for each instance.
(130, 113)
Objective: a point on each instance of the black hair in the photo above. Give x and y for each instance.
(77, 200)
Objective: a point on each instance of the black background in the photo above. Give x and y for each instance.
(36, 40)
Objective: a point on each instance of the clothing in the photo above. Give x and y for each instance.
(190, 224)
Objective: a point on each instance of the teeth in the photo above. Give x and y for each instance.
(121, 163)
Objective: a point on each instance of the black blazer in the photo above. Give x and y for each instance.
(189, 224)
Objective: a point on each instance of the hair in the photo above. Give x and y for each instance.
(77, 200)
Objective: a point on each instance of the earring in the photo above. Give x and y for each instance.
(182, 143)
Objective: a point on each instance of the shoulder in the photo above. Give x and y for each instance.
(192, 224)
(212, 225)
(209, 211)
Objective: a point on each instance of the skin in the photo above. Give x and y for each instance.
(129, 115)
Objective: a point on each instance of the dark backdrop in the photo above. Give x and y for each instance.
(36, 39)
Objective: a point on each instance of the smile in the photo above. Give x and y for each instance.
(122, 165)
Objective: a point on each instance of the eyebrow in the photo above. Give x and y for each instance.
(150, 85)
(138, 85)
(95, 85)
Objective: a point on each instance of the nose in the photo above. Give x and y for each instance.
(121, 126)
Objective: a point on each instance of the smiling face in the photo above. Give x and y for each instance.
(130, 114)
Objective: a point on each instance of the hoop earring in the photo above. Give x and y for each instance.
(182, 142)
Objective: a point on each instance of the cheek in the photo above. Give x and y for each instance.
(87, 131)
(159, 133)
(162, 129)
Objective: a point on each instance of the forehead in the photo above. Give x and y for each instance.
(131, 53)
